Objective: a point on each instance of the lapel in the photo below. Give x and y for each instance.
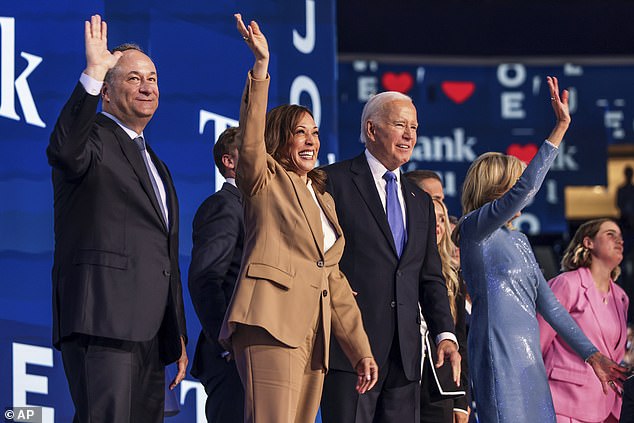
(309, 208)
(621, 312)
(590, 293)
(334, 253)
(170, 193)
(364, 181)
(413, 214)
(232, 190)
(131, 152)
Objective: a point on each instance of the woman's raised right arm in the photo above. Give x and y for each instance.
(251, 175)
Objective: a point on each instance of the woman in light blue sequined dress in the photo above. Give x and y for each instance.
(507, 287)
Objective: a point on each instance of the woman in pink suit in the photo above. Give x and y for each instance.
(599, 306)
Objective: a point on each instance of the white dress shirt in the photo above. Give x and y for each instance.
(378, 170)
(93, 87)
(330, 236)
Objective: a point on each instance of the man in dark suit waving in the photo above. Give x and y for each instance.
(117, 299)
(218, 237)
(392, 263)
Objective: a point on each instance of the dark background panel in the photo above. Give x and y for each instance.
(486, 28)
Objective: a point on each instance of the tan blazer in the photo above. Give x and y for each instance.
(285, 272)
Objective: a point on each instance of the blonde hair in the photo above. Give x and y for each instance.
(450, 274)
(488, 178)
(577, 255)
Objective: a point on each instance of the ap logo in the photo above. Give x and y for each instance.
(9, 84)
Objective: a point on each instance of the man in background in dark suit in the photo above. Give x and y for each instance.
(429, 181)
(392, 263)
(118, 313)
(218, 236)
(439, 400)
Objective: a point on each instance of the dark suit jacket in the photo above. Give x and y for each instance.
(218, 236)
(627, 410)
(439, 381)
(115, 271)
(389, 289)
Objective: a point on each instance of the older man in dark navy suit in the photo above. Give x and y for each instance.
(392, 263)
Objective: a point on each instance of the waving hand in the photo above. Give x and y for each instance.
(256, 41)
(98, 58)
(561, 109)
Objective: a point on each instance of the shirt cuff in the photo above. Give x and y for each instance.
(460, 410)
(551, 144)
(90, 84)
(590, 353)
(447, 335)
(268, 76)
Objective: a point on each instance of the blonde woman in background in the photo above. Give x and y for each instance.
(599, 306)
(441, 400)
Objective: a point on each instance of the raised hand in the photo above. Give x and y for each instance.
(559, 103)
(98, 58)
(256, 41)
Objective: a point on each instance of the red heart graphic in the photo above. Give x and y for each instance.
(524, 153)
(401, 82)
(458, 91)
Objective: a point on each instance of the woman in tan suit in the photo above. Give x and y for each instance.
(290, 292)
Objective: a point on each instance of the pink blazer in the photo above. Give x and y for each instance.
(576, 391)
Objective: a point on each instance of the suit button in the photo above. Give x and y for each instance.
(166, 273)
(399, 273)
(320, 263)
(393, 304)
(324, 293)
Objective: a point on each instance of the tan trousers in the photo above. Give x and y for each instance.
(281, 384)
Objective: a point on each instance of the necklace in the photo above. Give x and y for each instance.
(605, 298)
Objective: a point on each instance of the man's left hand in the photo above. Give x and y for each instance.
(182, 366)
(448, 349)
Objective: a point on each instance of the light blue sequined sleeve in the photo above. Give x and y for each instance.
(556, 315)
(482, 222)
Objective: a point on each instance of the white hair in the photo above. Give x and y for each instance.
(375, 106)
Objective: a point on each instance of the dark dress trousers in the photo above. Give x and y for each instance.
(389, 291)
(115, 272)
(627, 410)
(218, 237)
(440, 396)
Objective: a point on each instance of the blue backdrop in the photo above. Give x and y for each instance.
(202, 64)
(464, 111)
(468, 109)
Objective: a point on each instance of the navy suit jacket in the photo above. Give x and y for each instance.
(218, 237)
(389, 289)
(115, 271)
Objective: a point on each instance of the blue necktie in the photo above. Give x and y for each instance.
(140, 142)
(394, 212)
